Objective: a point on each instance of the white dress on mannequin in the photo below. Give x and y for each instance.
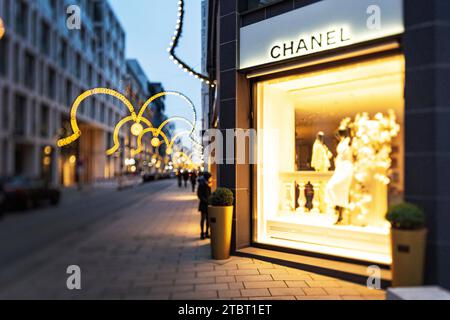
(338, 188)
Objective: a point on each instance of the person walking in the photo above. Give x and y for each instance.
(79, 171)
(185, 178)
(180, 178)
(193, 180)
(203, 193)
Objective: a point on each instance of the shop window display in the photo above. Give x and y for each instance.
(330, 158)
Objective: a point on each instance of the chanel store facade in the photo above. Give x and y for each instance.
(350, 101)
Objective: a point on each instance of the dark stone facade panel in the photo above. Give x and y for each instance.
(443, 219)
(443, 10)
(442, 276)
(443, 87)
(227, 85)
(443, 132)
(420, 175)
(420, 87)
(419, 43)
(443, 44)
(227, 114)
(279, 8)
(303, 3)
(227, 176)
(418, 11)
(420, 132)
(228, 56)
(227, 7)
(228, 28)
(253, 17)
(443, 177)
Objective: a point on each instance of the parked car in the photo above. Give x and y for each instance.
(25, 193)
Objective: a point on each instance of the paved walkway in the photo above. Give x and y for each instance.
(151, 250)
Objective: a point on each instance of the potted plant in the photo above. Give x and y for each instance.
(408, 242)
(220, 212)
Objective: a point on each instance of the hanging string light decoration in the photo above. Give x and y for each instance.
(174, 44)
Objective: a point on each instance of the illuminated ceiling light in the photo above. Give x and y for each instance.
(136, 129)
(174, 45)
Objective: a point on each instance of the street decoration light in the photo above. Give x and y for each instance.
(137, 128)
(174, 44)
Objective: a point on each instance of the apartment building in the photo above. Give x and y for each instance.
(44, 66)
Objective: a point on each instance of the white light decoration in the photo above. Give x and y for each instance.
(174, 43)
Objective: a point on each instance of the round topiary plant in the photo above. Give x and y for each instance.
(406, 216)
(222, 197)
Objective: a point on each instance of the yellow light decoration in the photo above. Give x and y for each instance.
(136, 129)
(158, 132)
(139, 148)
(155, 142)
(73, 113)
(2, 28)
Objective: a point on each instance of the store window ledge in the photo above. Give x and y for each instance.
(347, 271)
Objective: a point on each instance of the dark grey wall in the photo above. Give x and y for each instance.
(427, 95)
(427, 51)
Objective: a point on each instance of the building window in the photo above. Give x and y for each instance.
(16, 63)
(45, 114)
(29, 70)
(5, 109)
(45, 38)
(63, 54)
(330, 158)
(20, 111)
(21, 18)
(4, 56)
(102, 113)
(68, 94)
(51, 83)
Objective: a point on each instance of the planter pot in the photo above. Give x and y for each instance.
(408, 257)
(220, 221)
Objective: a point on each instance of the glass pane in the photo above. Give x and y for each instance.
(330, 158)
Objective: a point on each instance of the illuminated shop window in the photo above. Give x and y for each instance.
(331, 158)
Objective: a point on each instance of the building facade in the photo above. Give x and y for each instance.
(44, 66)
(354, 107)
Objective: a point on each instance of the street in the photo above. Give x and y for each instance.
(140, 243)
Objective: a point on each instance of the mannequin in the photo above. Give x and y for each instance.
(338, 188)
(321, 155)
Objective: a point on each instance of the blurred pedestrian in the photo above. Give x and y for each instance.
(203, 193)
(193, 180)
(185, 178)
(180, 178)
(79, 168)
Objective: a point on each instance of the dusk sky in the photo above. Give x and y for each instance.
(149, 26)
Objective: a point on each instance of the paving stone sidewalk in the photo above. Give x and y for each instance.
(152, 251)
